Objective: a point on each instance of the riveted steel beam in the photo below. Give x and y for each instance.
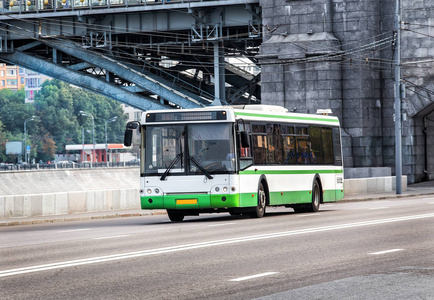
(81, 79)
(149, 82)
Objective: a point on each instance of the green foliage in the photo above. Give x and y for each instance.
(58, 120)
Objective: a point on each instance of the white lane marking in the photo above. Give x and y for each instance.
(73, 230)
(221, 224)
(386, 251)
(384, 207)
(254, 276)
(110, 237)
(309, 215)
(128, 255)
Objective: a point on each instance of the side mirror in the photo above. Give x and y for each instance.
(128, 137)
(245, 143)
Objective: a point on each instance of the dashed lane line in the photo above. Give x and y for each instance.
(214, 243)
(254, 276)
(386, 251)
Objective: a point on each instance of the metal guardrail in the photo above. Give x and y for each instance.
(29, 6)
(57, 166)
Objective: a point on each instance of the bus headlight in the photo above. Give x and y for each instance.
(149, 191)
(225, 189)
(157, 191)
(233, 189)
(217, 189)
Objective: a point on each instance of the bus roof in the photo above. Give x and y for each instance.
(256, 112)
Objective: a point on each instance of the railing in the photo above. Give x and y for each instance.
(84, 165)
(28, 6)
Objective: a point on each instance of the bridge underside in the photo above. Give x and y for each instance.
(149, 59)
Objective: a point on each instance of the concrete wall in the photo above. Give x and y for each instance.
(67, 180)
(31, 205)
(336, 54)
(59, 192)
(360, 186)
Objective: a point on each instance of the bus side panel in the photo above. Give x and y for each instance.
(290, 188)
(328, 183)
(339, 186)
(332, 185)
(249, 190)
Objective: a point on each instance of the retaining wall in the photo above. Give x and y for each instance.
(360, 186)
(58, 192)
(68, 202)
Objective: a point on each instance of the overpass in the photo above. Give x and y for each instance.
(146, 54)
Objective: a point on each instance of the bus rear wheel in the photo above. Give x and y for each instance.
(316, 197)
(175, 216)
(316, 200)
(259, 211)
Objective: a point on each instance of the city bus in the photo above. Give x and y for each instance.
(237, 159)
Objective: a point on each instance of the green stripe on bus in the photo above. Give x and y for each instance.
(235, 200)
(286, 117)
(190, 201)
(281, 172)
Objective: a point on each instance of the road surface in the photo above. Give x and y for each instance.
(358, 250)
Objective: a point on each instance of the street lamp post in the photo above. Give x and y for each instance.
(398, 118)
(25, 136)
(82, 141)
(87, 114)
(105, 128)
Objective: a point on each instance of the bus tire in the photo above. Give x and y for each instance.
(175, 216)
(259, 210)
(316, 197)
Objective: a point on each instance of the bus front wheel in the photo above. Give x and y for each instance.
(175, 216)
(259, 211)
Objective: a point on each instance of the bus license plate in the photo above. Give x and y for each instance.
(186, 201)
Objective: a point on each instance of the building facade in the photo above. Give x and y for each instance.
(11, 77)
(33, 84)
(339, 54)
(16, 78)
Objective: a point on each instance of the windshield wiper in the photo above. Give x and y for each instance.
(172, 164)
(200, 167)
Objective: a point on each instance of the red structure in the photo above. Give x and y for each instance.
(101, 155)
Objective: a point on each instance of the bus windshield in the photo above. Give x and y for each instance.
(194, 149)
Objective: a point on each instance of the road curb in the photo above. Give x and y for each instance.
(108, 215)
(77, 218)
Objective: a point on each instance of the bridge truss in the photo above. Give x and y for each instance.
(149, 55)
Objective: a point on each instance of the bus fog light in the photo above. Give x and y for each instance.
(149, 191)
(225, 189)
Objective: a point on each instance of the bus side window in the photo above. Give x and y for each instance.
(289, 150)
(337, 147)
(315, 145)
(327, 145)
(260, 149)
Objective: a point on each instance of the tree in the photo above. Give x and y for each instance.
(59, 104)
(58, 121)
(2, 143)
(13, 110)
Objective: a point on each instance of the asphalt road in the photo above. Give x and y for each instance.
(358, 250)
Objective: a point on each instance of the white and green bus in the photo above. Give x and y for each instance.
(237, 159)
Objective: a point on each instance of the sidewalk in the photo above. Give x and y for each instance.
(418, 189)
